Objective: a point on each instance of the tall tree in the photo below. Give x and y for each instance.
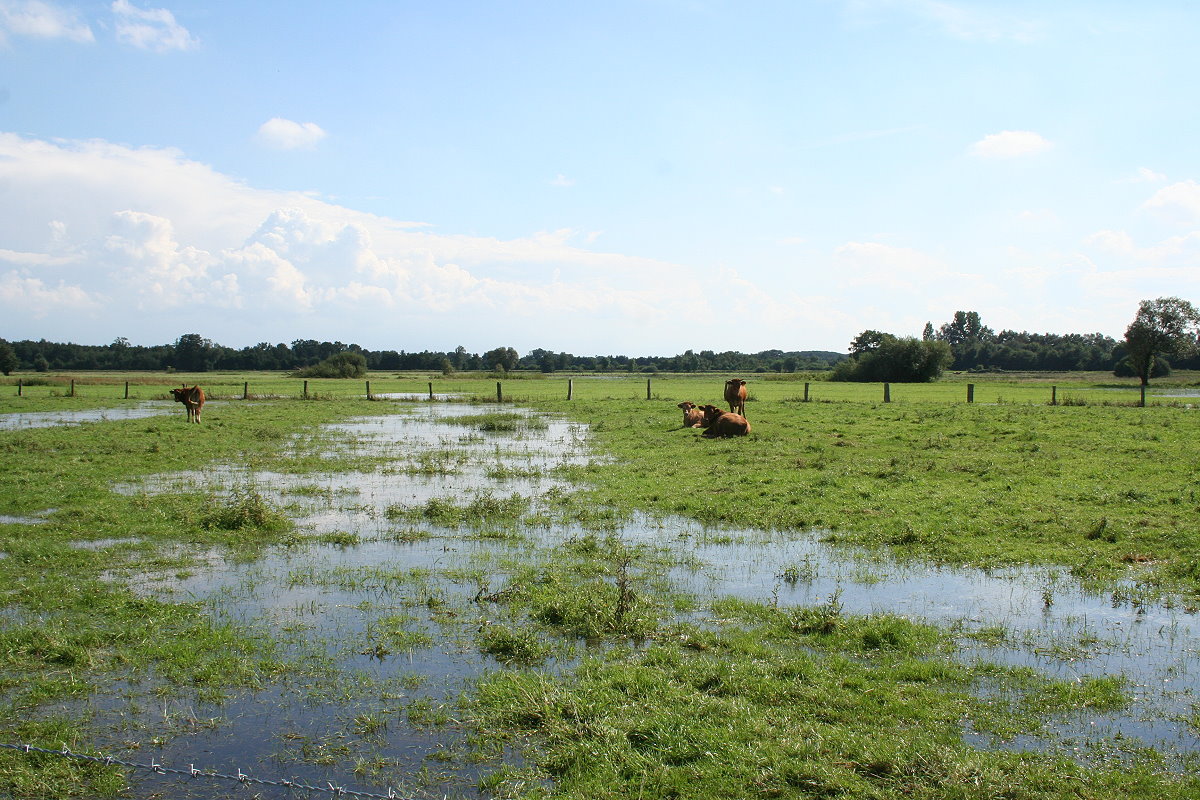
(867, 342)
(1163, 327)
(966, 327)
(192, 353)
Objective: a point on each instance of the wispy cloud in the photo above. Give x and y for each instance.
(284, 134)
(562, 181)
(39, 20)
(957, 20)
(1146, 175)
(1010, 144)
(1179, 201)
(150, 28)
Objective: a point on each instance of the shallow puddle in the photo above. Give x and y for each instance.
(48, 419)
(391, 610)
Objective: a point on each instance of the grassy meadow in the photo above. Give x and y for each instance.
(673, 696)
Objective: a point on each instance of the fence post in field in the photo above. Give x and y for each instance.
(246, 390)
(73, 389)
(369, 391)
(647, 388)
(306, 390)
(126, 390)
(1053, 395)
(431, 390)
(970, 393)
(1142, 402)
(806, 392)
(499, 394)
(887, 393)
(19, 383)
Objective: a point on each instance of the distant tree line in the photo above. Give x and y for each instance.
(1164, 327)
(974, 346)
(1161, 329)
(193, 353)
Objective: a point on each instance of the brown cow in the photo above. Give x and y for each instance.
(735, 395)
(192, 399)
(693, 417)
(724, 423)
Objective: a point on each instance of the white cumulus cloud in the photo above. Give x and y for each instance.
(150, 28)
(1179, 201)
(111, 229)
(284, 134)
(40, 20)
(1010, 144)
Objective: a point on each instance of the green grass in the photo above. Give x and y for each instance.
(766, 709)
(679, 696)
(1106, 490)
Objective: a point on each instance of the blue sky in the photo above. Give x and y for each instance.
(619, 177)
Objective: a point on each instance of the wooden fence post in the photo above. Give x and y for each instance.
(1053, 395)
(806, 392)
(887, 393)
(369, 391)
(647, 388)
(246, 390)
(126, 390)
(499, 394)
(970, 393)
(73, 388)
(20, 383)
(431, 390)
(570, 388)
(306, 390)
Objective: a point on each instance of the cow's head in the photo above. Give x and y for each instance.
(686, 405)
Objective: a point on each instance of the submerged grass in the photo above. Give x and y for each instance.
(1109, 491)
(767, 708)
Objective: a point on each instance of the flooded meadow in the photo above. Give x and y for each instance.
(388, 604)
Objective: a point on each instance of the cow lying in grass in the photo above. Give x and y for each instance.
(192, 399)
(724, 423)
(693, 417)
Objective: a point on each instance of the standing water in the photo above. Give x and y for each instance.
(377, 604)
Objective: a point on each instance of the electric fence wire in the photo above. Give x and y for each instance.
(191, 771)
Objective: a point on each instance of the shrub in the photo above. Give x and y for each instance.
(340, 365)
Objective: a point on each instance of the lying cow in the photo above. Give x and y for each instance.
(192, 399)
(735, 395)
(724, 423)
(693, 417)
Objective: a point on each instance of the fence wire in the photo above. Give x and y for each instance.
(192, 772)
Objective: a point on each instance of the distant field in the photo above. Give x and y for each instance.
(1082, 388)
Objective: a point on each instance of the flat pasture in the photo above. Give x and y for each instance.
(536, 586)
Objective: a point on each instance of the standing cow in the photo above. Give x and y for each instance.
(735, 395)
(192, 399)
